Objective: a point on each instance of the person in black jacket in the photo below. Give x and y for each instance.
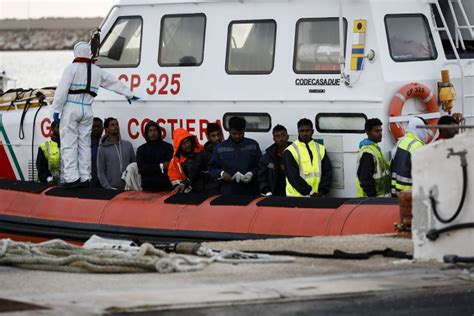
(271, 170)
(153, 159)
(96, 135)
(199, 168)
(234, 162)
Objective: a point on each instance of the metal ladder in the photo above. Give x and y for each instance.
(458, 39)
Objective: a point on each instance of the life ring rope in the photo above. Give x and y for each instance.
(406, 118)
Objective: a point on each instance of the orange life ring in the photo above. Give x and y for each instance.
(413, 90)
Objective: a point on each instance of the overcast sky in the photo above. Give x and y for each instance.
(22, 9)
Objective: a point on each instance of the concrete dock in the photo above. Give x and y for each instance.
(306, 287)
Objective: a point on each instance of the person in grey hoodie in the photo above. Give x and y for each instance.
(113, 156)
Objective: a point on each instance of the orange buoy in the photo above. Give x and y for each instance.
(413, 90)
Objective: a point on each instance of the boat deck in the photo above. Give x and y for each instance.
(307, 286)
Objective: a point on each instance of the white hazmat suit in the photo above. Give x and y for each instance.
(75, 112)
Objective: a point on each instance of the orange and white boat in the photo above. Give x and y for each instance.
(34, 212)
(272, 62)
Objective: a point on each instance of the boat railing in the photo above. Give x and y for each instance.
(459, 39)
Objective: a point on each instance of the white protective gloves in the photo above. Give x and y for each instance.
(237, 177)
(245, 178)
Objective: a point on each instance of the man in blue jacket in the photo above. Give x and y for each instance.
(234, 162)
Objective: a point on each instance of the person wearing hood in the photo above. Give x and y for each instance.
(48, 158)
(373, 171)
(72, 104)
(200, 167)
(186, 149)
(153, 159)
(401, 163)
(234, 162)
(113, 156)
(271, 171)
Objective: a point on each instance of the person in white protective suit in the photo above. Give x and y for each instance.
(73, 105)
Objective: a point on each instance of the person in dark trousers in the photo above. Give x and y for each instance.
(153, 160)
(373, 171)
(199, 168)
(235, 161)
(48, 158)
(96, 135)
(113, 156)
(307, 165)
(271, 171)
(186, 150)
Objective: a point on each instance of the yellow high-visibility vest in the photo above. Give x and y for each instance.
(382, 171)
(401, 174)
(51, 152)
(309, 171)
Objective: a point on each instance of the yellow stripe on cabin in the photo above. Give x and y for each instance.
(354, 64)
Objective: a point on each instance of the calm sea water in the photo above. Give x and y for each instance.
(34, 69)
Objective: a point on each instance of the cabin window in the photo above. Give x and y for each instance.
(256, 122)
(182, 40)
(409, 38)
(317, 46)
(251, 47)
(121, 47)
(349, 123)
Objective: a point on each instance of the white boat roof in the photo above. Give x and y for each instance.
(152, 2)
(144, 2)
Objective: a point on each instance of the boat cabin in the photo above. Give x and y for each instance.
(273, 62)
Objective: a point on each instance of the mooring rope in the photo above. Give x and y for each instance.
(58, 255)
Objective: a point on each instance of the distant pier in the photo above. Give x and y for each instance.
(45, 34)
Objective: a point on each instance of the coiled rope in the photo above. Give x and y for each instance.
(58, 255)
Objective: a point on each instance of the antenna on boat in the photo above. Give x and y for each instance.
(95, 42)
(342, 60)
